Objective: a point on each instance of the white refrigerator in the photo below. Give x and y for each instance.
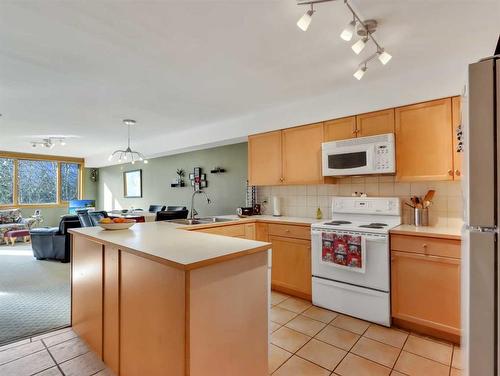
(480, 255)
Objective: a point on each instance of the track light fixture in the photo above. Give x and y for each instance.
(363, 28)
(49, 142)
(304, 21)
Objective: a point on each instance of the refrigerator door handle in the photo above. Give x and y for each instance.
(488, 229)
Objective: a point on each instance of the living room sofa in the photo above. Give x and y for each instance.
(12, 219)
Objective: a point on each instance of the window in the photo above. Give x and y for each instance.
(37, 182)
(6, 181)
(34, 180)
(70, 178)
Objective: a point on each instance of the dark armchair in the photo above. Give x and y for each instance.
(91, 218)
(175, 208)
(156, 208)
(54, 242)
(168, 215)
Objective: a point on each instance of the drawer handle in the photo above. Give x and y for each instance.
(287, 230)
(425, 248)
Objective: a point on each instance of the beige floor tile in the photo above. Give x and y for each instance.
(437, 351)
(273, 326)
(278, 297)
(455, 372)
(320, 314)
(295, 305)
(104, 372)
(456, 362)
(277, 356)
(281, 315)
(306, 325)
(86, 364)
(289, 339)
(415, 365)
(68, 350)
(350, 323)
(19, 351)
(51, 334)
(15, 344)
(28, 365)
(296, 366)
(353, 365)
(54, 371)
(389, 336)
(396, 373)
(338, 337)
(54, 340)
(377, 351)
(322, 354)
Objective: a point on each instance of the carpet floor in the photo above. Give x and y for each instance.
(34, 295)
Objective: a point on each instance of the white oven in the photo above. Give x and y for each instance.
(359, 156)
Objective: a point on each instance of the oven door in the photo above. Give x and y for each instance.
(352, 160)
(377, 262)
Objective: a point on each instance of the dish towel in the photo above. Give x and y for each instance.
(343, 251)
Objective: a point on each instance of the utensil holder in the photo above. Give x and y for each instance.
(420, 217)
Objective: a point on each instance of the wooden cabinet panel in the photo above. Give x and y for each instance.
(290, 231)
(424, 141)
(374, 123)
(111, 304)
(291, 271)
(457, 121)
(227, 230)
(426, 291)
(264, 159)
(250, 231)
(262, 232)
(426, 245)
(86, 301)
(340, 129)
(302, 154)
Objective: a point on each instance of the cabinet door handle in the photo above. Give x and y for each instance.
(354, 130)
(281, 179)
(457, 172)
(450, 172)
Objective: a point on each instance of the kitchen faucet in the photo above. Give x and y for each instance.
(193, 212)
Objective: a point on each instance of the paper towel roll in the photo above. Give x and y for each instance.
(276, 206)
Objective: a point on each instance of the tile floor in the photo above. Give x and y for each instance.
(310, 341)
(305, 341)
(53, 354)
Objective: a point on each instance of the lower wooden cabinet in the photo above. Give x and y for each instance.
(425, 290)
(291, 268)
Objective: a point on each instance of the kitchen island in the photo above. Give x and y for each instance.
(159, 300)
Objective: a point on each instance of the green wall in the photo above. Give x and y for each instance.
(226, 190)
(52, 216)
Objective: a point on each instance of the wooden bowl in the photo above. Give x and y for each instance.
(118, 226)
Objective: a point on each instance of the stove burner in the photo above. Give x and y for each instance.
(378, 224)
(371, 225)
(338, 223)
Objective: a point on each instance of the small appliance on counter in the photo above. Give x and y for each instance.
(244, 211)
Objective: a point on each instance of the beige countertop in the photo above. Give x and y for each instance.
(452, 232)
(167, 242)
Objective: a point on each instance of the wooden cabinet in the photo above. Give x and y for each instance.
(374, 123)
(302, 154)
(291, 270)
(264, 159)
(340, 129)
(425, 288)
(457, 122)
(424, 141)
(245, 231)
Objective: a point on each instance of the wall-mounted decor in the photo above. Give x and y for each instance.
(94, 174)
(217, 170)
(132, 184)
(178, 181)
(198, 180)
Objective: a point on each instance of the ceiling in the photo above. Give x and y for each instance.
(200, 73)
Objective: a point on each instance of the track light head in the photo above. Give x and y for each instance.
(360, 72)
(384, 56)
(359, 45)
(348, 32)
(304, 21)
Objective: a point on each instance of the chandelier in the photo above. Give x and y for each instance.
(128, 155)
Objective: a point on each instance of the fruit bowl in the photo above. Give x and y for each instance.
(122, 224)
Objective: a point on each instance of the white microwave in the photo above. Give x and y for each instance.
(359, 156)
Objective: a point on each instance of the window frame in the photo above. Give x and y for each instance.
(38, 157)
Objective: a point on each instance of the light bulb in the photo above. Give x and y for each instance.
(384, 57)
(360, 73)
(133, 162)
(125, 157)
(110, 157)
(348, 32)
(304, 21)
(145, 161)
(359, 46)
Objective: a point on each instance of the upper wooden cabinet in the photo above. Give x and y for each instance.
(264, 159)
(374, 123)
(302, 154)
(456, 117)
(424, 141)
(340, 129)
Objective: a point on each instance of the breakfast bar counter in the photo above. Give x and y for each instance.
(158, 300)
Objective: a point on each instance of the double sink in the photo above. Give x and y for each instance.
(201, 221)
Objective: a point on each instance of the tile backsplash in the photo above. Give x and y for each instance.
(304, 200)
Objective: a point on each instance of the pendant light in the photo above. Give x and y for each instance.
(128, 153)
